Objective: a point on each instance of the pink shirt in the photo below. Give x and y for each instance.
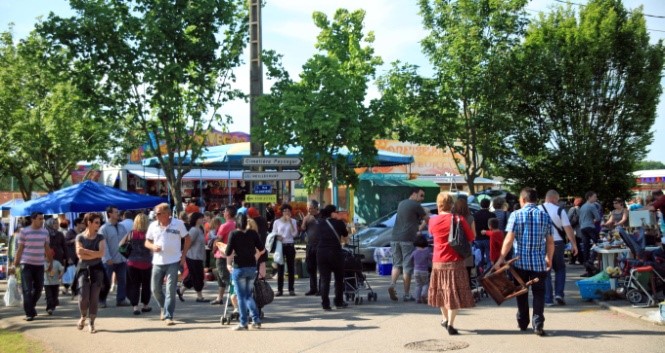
(33, 241)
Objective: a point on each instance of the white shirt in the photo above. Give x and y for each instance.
(286, 230)
(561, 222)
(168, 238)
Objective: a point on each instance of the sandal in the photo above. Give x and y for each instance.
(91, 328)
(179, 293)
(216, 302)
(81, 323)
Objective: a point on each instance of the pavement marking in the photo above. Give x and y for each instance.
(436, 345)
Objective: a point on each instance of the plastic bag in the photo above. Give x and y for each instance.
(68, 276)
(278, 257)
(12, 296)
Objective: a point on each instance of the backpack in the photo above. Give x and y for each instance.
(575, 218)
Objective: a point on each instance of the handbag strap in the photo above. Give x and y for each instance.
(333, 229)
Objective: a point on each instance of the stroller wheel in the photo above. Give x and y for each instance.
(634, 296)
(376, 296)
(222, 321)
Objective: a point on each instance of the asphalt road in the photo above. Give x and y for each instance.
(297, 324)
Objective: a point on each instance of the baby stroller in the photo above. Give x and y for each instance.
(475, 274)
(355, 280)
(644, 276)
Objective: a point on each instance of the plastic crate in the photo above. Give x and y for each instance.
(590, 290)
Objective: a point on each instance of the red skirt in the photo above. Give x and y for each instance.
(449, 286)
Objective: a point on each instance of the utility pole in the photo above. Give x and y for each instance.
(255, 80)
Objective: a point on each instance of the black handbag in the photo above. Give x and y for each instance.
(263, 293)
(457, 238)
(125, 248)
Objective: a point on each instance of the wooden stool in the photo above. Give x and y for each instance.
(500, 287)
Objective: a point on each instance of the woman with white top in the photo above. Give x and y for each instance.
(286, 229)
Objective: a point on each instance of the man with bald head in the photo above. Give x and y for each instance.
(561, 229)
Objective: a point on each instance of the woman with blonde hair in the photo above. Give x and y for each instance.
(449, 288)
(139, 266)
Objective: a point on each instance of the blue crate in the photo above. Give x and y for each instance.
(590, 290)
(385, 269)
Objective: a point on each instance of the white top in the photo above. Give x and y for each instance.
(561, 222)
(288, 232)
(168, 238)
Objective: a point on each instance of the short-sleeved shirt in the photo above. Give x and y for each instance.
(168, 238)
(33, 241)
(288, 230)
(223, 236)
(561, 222)
(588, 213)
(496, 242)
(53, 278)
(245, 245)
(197, 249)
(113, 234)
(531, 227)
(482, 217)
(422, 259)
(439, 227)
(409, 215)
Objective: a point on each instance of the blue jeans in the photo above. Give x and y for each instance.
(170, 271)
(120, 270)
(32, 283)
(559, 268)
(243, 280)
(484, 247)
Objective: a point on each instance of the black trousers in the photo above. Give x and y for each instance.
(194, 278)
(138, 285)
(32, 283)
(289, 251)
(51, 292)
(331, 262)
(538, 291)
(588, 234)
(310, 260)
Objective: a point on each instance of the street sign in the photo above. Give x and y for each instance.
(271, 198)
(263, 176)
(263, 189)
(271, 161)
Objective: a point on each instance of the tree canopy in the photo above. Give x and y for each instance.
(47, 126)
(585, 90)
(326, 109)
(159, 69)
(457, 109)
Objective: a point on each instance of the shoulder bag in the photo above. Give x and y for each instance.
(125, 248)
(263, 293)
(457, 238)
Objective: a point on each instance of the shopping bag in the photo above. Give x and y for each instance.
(12, 296)
(68, 276)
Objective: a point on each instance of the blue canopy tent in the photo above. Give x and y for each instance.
(87, 196)
(229, 157)
(9, 204)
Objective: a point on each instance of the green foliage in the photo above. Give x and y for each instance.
(158, 69)
(649, 165)
(458, 109)
(585, 90)
(47, 127)
(326, 109)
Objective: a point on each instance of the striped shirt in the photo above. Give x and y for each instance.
(531, 227)
(33, 241)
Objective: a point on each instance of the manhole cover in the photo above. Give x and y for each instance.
(436, 345)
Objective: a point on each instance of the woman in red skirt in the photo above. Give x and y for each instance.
(449, 288)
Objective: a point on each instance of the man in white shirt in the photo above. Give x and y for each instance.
(560, 228)
(163, 239)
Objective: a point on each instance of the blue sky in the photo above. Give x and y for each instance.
(289, 30)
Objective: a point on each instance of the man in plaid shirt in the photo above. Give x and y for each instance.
(529, 231)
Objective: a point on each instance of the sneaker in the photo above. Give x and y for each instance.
(49, 311)
(170, 322)
(409, 298)
(549, 304)
(123, 303)
(393, 294)
(539, 332)
(102, 304)
(239, 328)
(559, 300)
(256, 326)
(342, 305)
(292, 293)
(29, 318)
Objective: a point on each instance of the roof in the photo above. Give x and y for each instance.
(408, 183)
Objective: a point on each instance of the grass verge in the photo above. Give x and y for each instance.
(17, 342)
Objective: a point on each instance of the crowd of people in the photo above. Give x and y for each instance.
(234, 247)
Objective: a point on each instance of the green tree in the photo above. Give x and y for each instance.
(586, 86)
(326, 109)
(458, 109)
(159, 69)
(649, 165)
(45, 128)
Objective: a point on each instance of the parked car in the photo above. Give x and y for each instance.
(379, 233)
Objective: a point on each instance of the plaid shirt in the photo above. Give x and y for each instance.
(531, 226)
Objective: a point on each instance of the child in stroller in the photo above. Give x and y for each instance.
(644, 275)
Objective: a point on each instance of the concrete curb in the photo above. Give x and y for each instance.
(629, 313)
